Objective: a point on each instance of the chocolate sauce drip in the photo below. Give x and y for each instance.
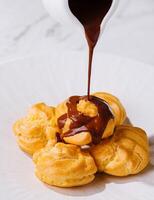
(61, 121)
(81, 123)
(90, 13)
(58, 137)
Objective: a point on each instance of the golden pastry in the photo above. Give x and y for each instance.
(125, 153)
(80, 111)
(116, 106)
(64, 165)
(113, 148)
(31, 130)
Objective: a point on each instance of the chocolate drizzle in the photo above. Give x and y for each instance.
(59, 139)
(81, 123)
(90, 13)
(62, 120)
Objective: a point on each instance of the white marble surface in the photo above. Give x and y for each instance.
(26, 29)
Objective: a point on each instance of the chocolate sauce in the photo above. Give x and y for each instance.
(61, 121)
(81, 123)
(59, 139)
(90, 13)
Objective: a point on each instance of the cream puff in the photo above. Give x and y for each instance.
(125, 153)
(32, 132)
(64, 165)
(83, 121)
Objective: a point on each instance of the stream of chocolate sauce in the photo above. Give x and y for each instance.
(91, 14)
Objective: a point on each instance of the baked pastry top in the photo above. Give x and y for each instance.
(64, 165)
(31, 130)
(125, 153)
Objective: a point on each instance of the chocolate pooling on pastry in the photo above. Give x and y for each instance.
(81, 123)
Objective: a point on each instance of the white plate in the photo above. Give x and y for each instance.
(52, 78)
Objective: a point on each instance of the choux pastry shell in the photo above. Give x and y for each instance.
(30, 131)
(64, 165)
(124, 153)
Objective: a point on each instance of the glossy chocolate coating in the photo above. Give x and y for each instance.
(81, 123)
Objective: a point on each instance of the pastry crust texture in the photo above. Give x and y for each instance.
(31, 130)
(64, 165)
(125, 153)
